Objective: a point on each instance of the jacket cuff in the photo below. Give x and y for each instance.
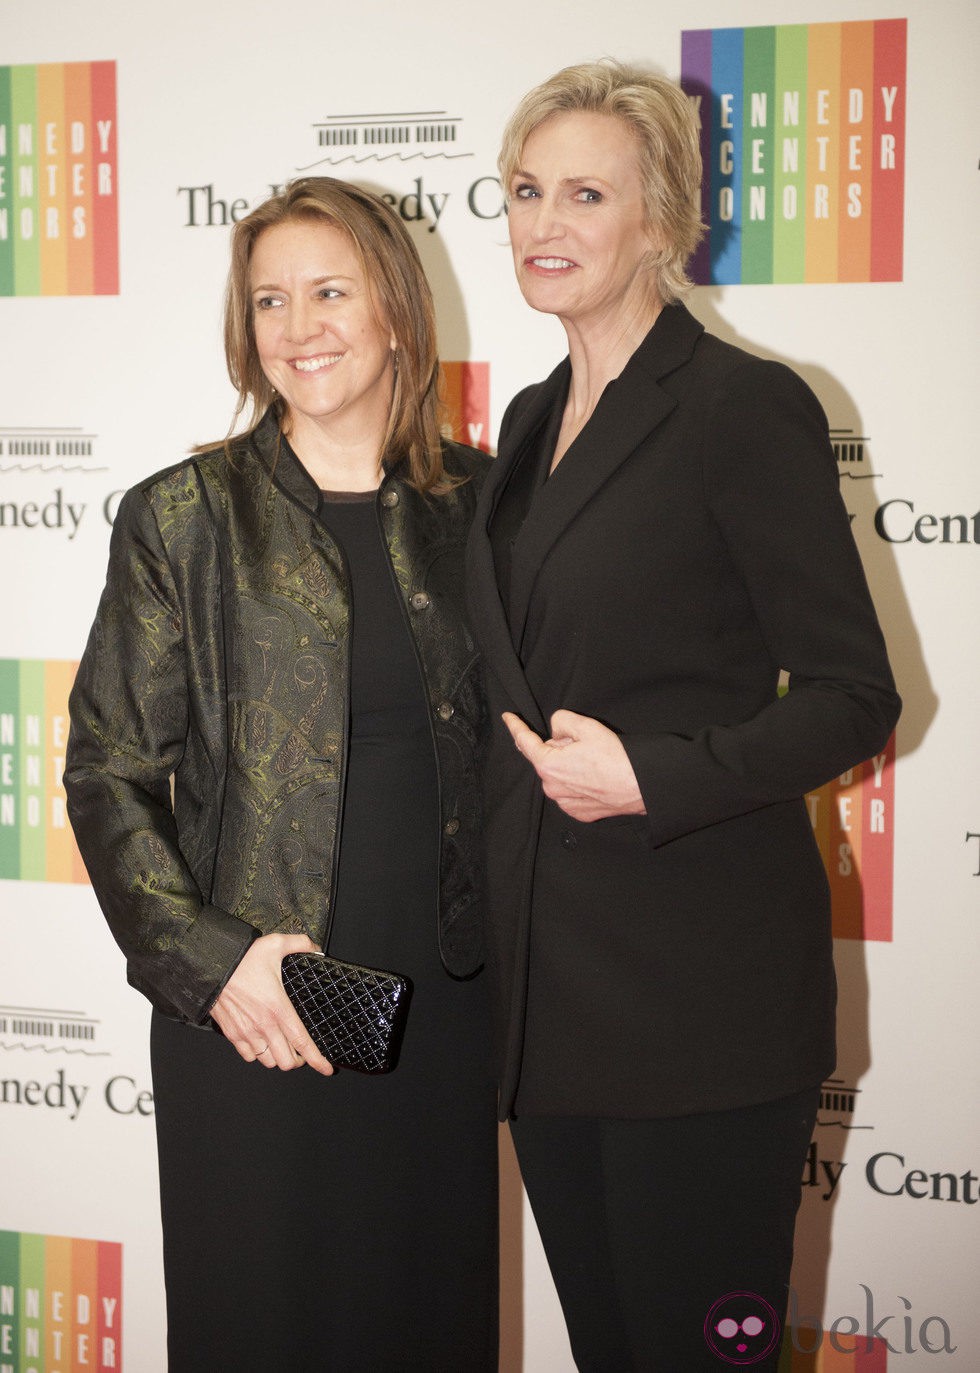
(196, 969)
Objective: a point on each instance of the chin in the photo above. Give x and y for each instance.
(546, 302)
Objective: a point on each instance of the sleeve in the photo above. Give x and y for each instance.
(770, 480)
(129, 721)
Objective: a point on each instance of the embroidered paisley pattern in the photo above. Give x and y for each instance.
(219, 658)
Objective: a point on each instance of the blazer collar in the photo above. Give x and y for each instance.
(629, 404)
(628, 410)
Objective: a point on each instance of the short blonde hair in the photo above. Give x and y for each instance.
(399, 288)
(668, 143)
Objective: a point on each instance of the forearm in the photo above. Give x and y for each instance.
(129, 714)
(799, 602)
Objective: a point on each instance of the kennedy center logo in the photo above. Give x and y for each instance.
(60, 1303)
(465, 391)
(803, 142)
(36, 842)
(853, 819)
(59, 232)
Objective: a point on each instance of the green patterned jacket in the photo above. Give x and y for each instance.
(206, 760)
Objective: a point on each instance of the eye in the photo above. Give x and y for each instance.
(588, 196)
(266, 302)
(524, 191)
(329, 293)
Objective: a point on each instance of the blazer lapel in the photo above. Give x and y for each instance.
(630, 408)
(487, 612)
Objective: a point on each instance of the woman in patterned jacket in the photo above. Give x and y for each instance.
(281, 648)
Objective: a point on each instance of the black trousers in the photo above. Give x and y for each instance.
(670, 1241)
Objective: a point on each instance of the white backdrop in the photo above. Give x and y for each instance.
(215, 105)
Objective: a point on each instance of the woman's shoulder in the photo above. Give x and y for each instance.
(538, 399)
(162, 486)
(463, 463)
(718, 364)
(209, 464)
(555, 384)
(185, 494)
(519, 403)
(752, 412)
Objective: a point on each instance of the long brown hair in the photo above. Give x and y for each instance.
(401, 294)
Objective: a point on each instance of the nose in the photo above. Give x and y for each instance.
(301, 323)
(544, 220)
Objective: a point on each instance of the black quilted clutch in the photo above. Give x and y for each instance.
(355, 1016)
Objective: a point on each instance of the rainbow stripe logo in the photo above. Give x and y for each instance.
(60, 1303)
(853, 819)
(803, 141)
(465, 390)
(36, 842)
(59, 232)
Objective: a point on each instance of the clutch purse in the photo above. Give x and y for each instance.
(355, 1016)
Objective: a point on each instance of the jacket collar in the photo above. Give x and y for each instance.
(284, 469)
(629, 409)
(268, 444)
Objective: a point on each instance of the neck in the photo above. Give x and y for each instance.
(599, 349)
(336, 461)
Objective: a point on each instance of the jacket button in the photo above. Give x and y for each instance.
(445, 710)
(569, 841)
(451, 827)
(389, 498)
(420, 600)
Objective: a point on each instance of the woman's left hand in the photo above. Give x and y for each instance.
(583, 767)
(256, 1016)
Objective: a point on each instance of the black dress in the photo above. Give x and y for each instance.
(347, 1223)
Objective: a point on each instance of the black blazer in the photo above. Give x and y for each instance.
(691, 544)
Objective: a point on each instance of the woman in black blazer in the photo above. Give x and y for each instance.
(661, 536)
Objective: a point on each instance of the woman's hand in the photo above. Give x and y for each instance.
(255, 1014)
(583, 767)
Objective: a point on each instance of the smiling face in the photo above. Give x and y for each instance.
(320, 340)
(578, 229)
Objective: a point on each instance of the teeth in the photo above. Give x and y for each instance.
(552, 263)
(315, 364)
